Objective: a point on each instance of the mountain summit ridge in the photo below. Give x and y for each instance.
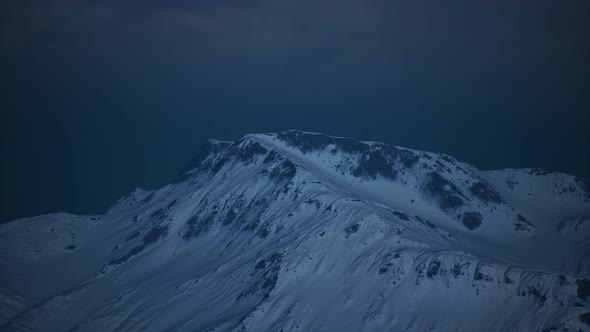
(304, 231)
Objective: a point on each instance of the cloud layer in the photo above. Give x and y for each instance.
(329, 46)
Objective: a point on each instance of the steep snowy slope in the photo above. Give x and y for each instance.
(297, 231)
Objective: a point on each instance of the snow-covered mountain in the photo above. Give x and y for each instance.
(297, 231)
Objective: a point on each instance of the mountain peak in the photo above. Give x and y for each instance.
(274, 226)
(310, 141)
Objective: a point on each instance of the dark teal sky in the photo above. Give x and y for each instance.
(101, 97)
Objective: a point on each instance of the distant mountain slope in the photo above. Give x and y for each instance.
(298, 231)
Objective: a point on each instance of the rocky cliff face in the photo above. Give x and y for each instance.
(299, 231)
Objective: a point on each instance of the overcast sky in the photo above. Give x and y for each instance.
(100, 97)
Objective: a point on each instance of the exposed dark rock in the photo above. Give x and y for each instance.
(456, 270)
(171, 204)
(485, 192)
(152, 236)
(148, 198)
(351, 229)
(314, 202)
(401, 215)
(308, 142)
(562, 280)
(472, 220)
(159, 213)
(136, 250)
(266, 273)
(511, 184)
(248, 152)
(219, 165)
(196, 225)
(263, 232)
(445, 192)
(155, 234)
(522, 224)
(275, 258)
(583, 288)
(433, 269)
(408, 158)
(538, 172)
(284, 171)
(270, 157)
(448, 159)
(260, 265)
(420, 273)
(507, 279)
(522, 219)
(251, 226)
(349, 145)
(429, 224)
(229, 217)
(536, 293)
(162, 212)
(132, 236)
(478, 275)
(357, 172)
(372, 165)
(271, 281)
(426, 222)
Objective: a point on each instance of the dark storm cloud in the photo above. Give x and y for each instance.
(350, 44)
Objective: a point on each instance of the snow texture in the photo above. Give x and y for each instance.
(297, 231)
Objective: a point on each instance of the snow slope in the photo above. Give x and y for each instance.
(298, 231)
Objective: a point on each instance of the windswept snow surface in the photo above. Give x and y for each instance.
(297, 231)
